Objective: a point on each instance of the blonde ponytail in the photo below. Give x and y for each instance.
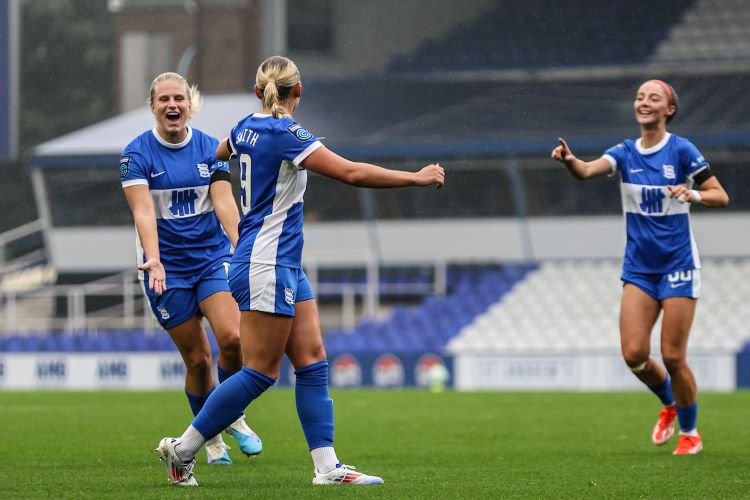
(275, 78)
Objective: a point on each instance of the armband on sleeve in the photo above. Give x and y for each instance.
(221, 175)
(703, 176)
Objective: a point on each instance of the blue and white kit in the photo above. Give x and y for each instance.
(194, 249)
(266, 272)
(660, 239)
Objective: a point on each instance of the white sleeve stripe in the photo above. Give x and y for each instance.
(611, 160)
(135, 182)
(307, 152)
(232, 147)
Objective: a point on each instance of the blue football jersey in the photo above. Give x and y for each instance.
(270, 153)
(179, 177)
(659, 236)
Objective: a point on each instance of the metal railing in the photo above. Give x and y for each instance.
(13, 235)
(117, 301)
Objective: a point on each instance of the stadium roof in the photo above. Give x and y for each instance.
(102, 141)
(385, 117)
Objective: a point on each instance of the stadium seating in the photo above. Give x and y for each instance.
(529, 34)
(557, 306)
(574, 305)
(711, 31)
(102, 341)
(431, 324)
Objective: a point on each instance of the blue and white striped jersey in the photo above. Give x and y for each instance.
(270, 153)
(179, 177)
(659, 236)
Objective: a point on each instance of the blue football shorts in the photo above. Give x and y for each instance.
(180, 301)
(268, 288)
(684, 283)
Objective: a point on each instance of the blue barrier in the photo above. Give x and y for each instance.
(383, 370)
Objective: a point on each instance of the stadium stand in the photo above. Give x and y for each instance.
(458, 99)
(471, 289)
(574, 305)
(532, 34)
(551, 306)
(713, 30)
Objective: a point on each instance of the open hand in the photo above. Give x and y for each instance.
(157, 277)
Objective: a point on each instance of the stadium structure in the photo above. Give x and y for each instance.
(509, 277)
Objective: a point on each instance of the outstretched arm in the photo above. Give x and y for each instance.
(142, 206)
(578, 168)
(325, 162)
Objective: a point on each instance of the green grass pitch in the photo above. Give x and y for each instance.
(425, 445)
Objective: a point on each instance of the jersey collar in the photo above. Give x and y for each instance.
(169, 144)
(655, 147)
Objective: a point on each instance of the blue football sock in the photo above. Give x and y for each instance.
(687, 416)
(664, 391)
(197, 402)
(314, 404)
(229, 400)
(223, 374)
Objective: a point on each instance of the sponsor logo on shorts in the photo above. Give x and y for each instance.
(680, 278)
(289, 296)
(162, 312)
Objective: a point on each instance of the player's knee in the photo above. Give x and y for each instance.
(673, 361)
(229, 345)
(636, 359)
(198, 364)
(637, 364)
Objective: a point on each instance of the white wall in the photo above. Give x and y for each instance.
(718, 234)
(576, 370)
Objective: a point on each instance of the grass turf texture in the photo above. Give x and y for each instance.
(446, 445)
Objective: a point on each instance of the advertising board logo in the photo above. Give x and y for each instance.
(50, 370)
(430, 369)
(346, 371)
(171, 370)
(114, 370)
(388, 371)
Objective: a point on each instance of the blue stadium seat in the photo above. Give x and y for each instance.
(436, 320)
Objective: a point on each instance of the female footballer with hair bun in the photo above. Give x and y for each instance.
(662, 175)
(278, 311)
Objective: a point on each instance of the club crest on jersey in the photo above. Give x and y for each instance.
(669, 171)
(203, 170)
(300, 133)
(124, 161)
